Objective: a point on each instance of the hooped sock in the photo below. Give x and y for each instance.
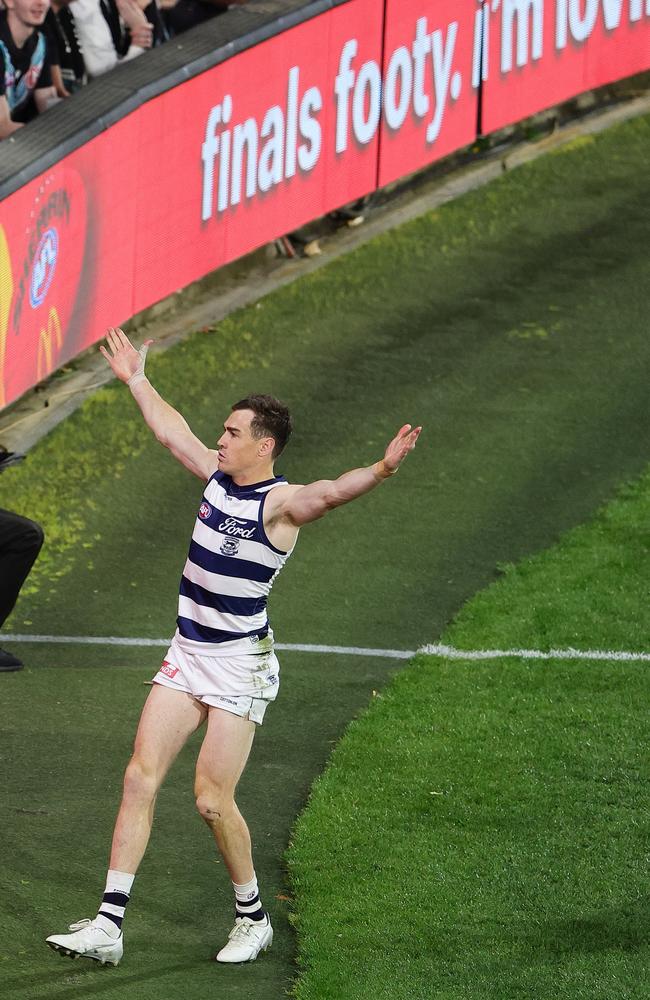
(247, 900)
(113, 905)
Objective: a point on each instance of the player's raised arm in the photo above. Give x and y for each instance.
(308, 503)
(170, 428)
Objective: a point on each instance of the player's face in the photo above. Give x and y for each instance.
(31, 13)
(238, 450)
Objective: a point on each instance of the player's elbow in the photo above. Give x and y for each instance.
(162, 436)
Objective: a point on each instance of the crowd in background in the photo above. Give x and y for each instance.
(51, 48)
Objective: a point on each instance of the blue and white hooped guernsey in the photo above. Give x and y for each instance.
(230, 569)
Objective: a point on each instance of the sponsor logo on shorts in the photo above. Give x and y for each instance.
(229, 701)
(168, 670)
(230, 546)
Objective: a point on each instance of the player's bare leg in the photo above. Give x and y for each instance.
(168, 719)
(225, 750)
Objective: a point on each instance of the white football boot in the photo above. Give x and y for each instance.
(246, 940)
(88, 941)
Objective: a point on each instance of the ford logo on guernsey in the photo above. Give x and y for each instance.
(43, 267)
(204, 511)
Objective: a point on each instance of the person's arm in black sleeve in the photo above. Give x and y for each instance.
(7, 126)
(45, 93)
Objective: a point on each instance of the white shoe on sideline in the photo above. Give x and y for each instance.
(246, 940)
(88, 941)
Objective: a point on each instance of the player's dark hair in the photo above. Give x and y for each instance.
(272, 419)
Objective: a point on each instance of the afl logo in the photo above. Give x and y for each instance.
(204, 511)
(43, 267)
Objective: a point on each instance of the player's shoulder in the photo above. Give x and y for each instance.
(278, 498)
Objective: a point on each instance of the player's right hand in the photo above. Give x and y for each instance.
(123, 358)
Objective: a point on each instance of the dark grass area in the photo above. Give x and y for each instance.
(510, 324)
(68, 726)
(590, 594)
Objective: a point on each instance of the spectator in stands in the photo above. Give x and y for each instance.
(186, 14)
(107, 30)
(110, 31)
(25, 76)
(153, 14)
(68, 67)
(20, 543)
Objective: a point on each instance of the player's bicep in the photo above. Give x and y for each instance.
(309, 503)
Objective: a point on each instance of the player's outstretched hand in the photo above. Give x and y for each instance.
(400, 446)
(123, 357)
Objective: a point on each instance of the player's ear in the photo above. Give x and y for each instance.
(266, 447)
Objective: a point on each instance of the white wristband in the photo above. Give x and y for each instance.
(139, 374)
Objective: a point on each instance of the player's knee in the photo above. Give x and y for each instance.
(214, 803)
(139, 780)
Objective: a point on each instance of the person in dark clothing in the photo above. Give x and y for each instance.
(25, 77)
(65, 49)
(186, 14)
(20, 543)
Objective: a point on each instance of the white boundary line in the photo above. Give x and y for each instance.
(112, 640)
(445, 652)
(451, 653)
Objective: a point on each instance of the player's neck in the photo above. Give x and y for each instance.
(257, 474)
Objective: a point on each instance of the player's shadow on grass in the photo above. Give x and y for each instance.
(89, 979)
(623, 928)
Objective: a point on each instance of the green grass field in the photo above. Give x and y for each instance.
(511, 325)
(481, 832)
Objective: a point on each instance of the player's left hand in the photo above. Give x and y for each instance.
(399, 447)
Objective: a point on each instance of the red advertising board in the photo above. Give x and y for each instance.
(194, 178)
(430, 92)
(279, 134)
(541, 52)
(248, 151)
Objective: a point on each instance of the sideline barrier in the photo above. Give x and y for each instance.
(312, 112)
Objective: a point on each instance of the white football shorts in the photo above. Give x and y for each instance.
(242, 684)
